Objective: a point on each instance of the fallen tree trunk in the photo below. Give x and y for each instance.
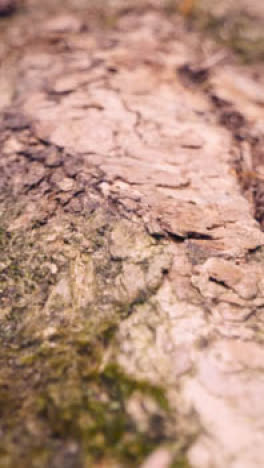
(131, 261)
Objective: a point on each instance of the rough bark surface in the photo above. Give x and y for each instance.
(131, 270)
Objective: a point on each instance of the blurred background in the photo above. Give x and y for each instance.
(237, 24)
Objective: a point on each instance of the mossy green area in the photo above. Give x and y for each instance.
(234, 26)
(63, 407)
(180, 462)
(64, 290)
(239, 31)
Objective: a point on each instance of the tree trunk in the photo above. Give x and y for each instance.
(132, 262)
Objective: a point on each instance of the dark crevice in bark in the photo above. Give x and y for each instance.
(248, 168)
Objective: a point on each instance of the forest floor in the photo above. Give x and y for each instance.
(132, 250)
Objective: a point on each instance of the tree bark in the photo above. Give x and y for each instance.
(131, 270)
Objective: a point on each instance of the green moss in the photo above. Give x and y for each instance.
(56, 389)
(180, 462)
(127, 385)
(3, 236)
(74, 400)
(234, 28)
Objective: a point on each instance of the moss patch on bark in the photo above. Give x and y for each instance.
(65, 288)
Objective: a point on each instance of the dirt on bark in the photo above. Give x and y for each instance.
(132, 251)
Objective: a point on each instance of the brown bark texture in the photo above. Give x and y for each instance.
(132, 251)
